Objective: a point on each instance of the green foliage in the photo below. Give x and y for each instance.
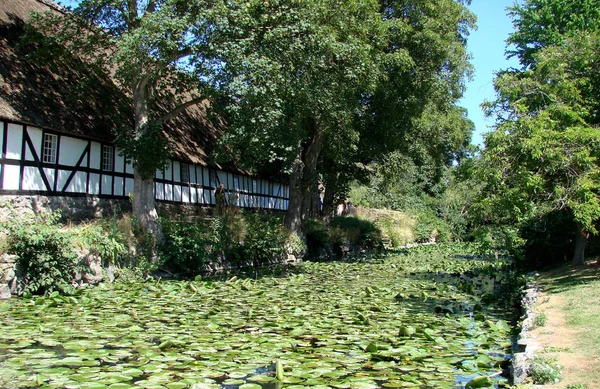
(187, 246)
(540, 320)
(429, 227)
(543, 155)
(45, 252)
(544, 371)
(542, 23)
(239, 238)
(317, 237)
(355, 231)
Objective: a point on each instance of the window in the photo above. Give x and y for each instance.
(185, 173)
(108, 157)
(50, 148)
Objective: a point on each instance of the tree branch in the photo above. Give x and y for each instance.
(151, 7)
(180, 108)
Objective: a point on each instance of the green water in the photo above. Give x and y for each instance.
(336, 325)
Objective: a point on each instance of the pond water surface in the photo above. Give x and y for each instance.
(417, 320)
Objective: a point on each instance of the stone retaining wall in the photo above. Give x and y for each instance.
(526, 345)
(72, 208)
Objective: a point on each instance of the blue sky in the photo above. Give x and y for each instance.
(487, 46)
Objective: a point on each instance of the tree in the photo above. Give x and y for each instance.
(296, 74)
(159, 52)
(326, 87)
(544, 153)
(542, 23)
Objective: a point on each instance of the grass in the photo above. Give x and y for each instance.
(578, 288)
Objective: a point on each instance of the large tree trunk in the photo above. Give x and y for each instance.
(328, 201)
(580, 240)
(304, 179)
(293, 217)
(144, 205)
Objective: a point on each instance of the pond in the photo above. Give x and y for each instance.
(419, 319)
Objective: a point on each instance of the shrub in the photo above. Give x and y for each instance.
(544, 371)
(45, 252)
(265, 239)
(187, 247)
(317, 237)
(357, 232)
(429, 227)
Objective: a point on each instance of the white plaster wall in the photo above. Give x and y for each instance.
(78, 183)
(70, 151)
(35, 134)
(168, 172)
(119, 163)
(14, 142)
(185, 195)
(11, 177)
(107, 182)
(169, 192)
(94, 183)
(177, 193)
(95, 155)
(119, 186)
(50, 174)
(159, 191)
(62, 179)
(176, 171)
(128, 186)
(32, 179)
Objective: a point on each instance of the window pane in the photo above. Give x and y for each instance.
(50, 147)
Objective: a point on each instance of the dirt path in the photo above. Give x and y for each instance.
(556, 339)
(563, 340)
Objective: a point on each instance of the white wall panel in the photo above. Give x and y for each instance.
(159, 174)
(193, 195)
(78, 182)
(129, 187)
(119, 184)
(95, 155)
(32, 179)
(169, 192)
(177, 193)
(71, 150)
(185, 194)
(119, 163)
(63, 175)
(107, 182)
(50, 174)
(176, 171)
(35, 134)
(94, 184)
(14, 142)
(129, 167)
(206, 177)
(168, 172)
(11, 177)
(159, 191)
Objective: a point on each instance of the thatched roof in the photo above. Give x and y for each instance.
(65, 95)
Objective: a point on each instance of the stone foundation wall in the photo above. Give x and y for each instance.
(72, 208)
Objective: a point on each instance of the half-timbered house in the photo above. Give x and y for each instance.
(57, 122)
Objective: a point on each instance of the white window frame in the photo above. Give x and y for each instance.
(50, 148)
(108, 158)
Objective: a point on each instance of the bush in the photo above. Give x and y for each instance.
(544, 371)
(317, 238)
(45, 253)
(429, 227)
(357, 232)
(240, 238)
(187, 247)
